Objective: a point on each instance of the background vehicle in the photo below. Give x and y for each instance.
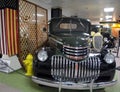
(66, 58)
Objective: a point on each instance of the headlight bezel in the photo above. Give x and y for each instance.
(109, 58)
(42, 55)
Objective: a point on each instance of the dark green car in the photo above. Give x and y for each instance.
(67, 61)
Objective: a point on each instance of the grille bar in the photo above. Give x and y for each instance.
(69, 70)
(75, 53)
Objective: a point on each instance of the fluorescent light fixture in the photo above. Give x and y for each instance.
(39, 15)
(109, 9)
(108, 17)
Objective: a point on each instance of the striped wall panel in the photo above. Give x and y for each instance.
(9, 31)
(0, 30)
(3, 33)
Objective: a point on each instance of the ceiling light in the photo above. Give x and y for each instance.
(108, 16)
(108, 9)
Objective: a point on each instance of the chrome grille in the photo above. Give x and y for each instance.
(75, 53)
(68, 70)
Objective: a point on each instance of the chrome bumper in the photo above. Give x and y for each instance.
(71, 85)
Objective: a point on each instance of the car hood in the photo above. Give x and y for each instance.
(73, 40)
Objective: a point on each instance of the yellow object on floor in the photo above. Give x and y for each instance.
(28, 65)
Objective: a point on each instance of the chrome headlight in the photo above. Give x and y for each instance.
(42, 55)
(109, 58)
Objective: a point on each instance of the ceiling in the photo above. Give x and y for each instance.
(90, 9)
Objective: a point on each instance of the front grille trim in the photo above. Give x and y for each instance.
(85, 71)
(75, 53)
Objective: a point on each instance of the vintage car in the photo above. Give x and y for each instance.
(66, 59)
(107, 40)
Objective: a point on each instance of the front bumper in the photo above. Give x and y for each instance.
(71, 85)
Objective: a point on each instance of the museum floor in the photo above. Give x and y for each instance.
(17, 82)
